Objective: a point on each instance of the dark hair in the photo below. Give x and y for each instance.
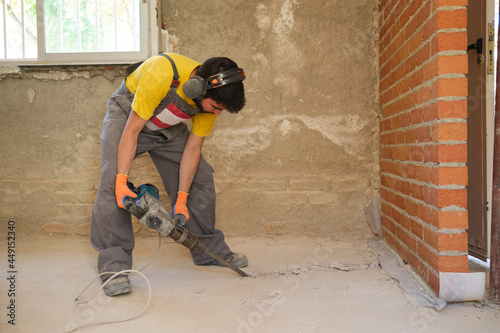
(232, 95)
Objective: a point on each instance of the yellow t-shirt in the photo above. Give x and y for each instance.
(150, 83)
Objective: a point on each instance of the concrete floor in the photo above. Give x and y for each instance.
(297, 285)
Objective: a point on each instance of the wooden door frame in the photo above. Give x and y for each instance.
(480, 156)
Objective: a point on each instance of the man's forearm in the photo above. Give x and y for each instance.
(189, 161)
(126, 153)
(188, 167)
(127, 147)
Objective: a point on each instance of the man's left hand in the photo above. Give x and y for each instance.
(180, 212)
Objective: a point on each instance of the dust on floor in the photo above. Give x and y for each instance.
(296, 285)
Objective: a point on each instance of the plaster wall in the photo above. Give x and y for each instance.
(302, 157)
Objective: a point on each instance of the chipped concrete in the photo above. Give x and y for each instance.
(5, 70)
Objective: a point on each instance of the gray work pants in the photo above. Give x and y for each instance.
(111, 230)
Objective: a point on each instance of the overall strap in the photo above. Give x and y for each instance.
(175, 82)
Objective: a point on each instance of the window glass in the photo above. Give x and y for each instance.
(72, 30)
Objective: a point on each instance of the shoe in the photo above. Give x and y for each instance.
(235, 259)
(118, 286)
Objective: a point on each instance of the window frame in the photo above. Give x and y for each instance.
(149, 44)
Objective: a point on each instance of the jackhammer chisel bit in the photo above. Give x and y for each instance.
(151, 212)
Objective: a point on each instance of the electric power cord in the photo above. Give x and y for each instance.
(115, 274)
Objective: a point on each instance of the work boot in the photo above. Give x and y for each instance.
(119, 285)
(236, 259)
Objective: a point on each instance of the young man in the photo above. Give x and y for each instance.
(147, 114)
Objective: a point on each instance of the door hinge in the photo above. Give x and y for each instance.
(491, 43)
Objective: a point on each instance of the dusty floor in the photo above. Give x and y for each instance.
(298, 285)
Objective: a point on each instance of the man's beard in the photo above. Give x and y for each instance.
(198, 104)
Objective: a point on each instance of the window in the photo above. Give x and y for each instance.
(75, 31)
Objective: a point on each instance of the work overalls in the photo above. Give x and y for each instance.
(111, 229)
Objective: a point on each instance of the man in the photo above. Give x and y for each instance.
(147, 114)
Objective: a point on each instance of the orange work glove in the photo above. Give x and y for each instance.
(181, 213)
(122, 191)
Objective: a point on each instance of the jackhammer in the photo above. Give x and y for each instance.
(151, 211)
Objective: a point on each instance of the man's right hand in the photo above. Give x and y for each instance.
(122, 191)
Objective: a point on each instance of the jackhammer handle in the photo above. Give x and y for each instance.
(180, 219)
(131, 205)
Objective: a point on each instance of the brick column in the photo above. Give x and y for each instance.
(423, 91)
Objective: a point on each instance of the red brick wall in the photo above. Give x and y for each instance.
(423, 89)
